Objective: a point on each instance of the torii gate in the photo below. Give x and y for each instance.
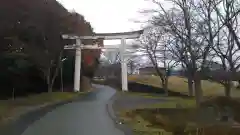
(105, 36)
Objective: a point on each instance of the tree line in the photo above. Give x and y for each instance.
(32, 49)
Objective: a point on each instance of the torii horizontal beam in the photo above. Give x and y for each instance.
(108, 36)
(95, 46)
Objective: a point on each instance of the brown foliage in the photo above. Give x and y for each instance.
(34, 27)
(81, 27)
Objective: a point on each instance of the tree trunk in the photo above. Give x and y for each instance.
(86, 84)
(49, 80)
(165, 86)
(198, 91)
(49, 88)
(190, 86)
(238, 87)
(61, 78)
(227, 88)
(49, 85)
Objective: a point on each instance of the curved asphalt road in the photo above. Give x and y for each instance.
(86, 117)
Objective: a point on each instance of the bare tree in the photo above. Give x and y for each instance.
(227, 51)
(169, 60)
(178, 22)
(48, 61)
(214, 32)
(154, 45)
(131, 60)
(229, 57)
(190, 23)
(132, 65)
(45, 54)
(228, 12)
(219, 33)
(117, 58)
(111, 65)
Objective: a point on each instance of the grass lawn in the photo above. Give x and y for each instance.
(165, 117)
(172, 102)
(142, 125)
(137, 123)
(177, 113)
(179, 84)
(11, 107)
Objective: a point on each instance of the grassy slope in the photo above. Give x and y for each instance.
(11, 107)
(147, 120)
(179, 84)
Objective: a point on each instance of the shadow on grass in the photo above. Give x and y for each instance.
(140, 88)
(137, 87)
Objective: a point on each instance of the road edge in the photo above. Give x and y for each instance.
(21, 123)
(117, 122)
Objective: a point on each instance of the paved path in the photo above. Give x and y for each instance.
(86, 117)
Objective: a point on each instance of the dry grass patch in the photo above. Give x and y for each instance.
(139, 125)
(10, 107)
(172, 122)
(167, 119)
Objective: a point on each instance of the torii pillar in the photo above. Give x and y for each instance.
(123, 65)
(106, 36)
(77, 68)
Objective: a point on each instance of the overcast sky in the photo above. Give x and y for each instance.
(110, 15)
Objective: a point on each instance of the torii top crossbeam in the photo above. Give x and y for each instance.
(108, 36)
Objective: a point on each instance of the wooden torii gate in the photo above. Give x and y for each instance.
(105, 36)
